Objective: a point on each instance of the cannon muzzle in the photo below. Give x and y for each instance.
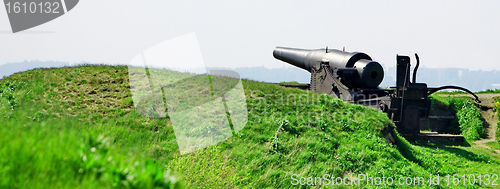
(369, 73)
(292, 56)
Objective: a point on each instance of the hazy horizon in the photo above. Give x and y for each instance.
(474, 80)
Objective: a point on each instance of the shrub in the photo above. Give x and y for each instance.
(470, 120)
(468, 117)
(7, 91)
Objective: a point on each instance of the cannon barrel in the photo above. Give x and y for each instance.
(369, 73)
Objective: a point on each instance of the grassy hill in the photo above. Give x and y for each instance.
(76, 127)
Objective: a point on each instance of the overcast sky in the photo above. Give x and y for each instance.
(463, 34)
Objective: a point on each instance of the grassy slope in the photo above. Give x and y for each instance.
(73, 127)
(76, 127)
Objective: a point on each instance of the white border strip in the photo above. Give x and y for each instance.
(64, 6)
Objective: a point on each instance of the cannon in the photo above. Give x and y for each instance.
(354, 77)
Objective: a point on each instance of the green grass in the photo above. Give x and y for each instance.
(490, 91)
(462, 92)
(467, 121)
(451, 93)
(77, 128)
(493, 145)
(56, 134)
